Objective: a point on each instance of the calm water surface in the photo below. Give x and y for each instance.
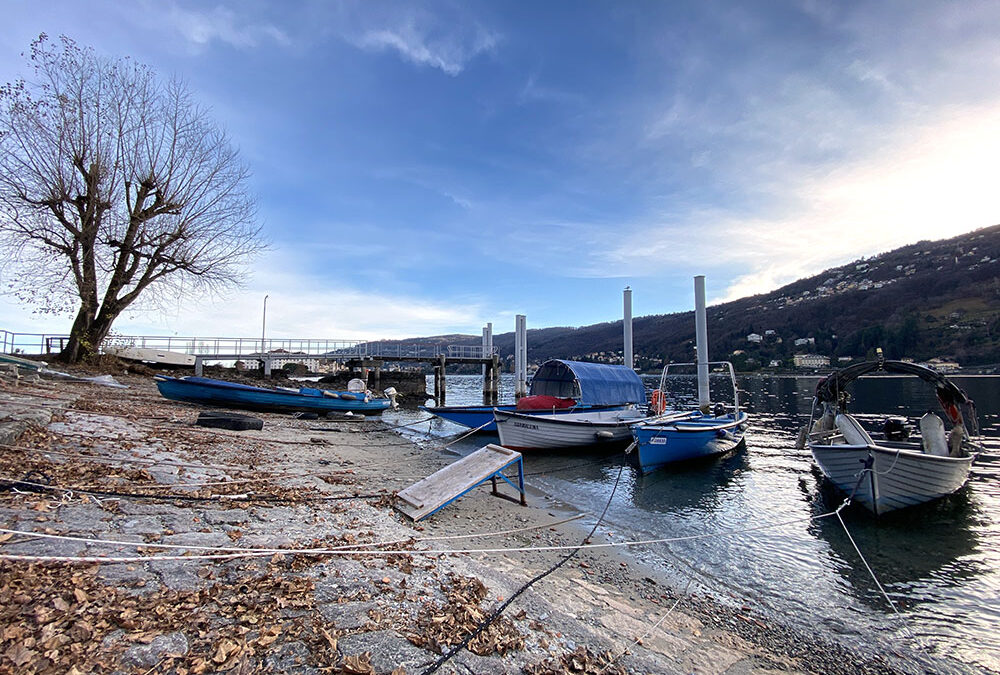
(940, 563)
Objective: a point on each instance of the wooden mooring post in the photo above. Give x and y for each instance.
(491, 382)
(440, 383)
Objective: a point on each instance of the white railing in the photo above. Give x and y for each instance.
(41, 343)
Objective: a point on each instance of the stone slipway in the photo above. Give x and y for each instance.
(314, 614)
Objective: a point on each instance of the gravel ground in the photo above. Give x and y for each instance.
(143, 473)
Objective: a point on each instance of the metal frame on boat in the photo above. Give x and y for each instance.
(680, 435)
(703, 432)
(895, 471)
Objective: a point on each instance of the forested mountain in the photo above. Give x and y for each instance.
(930, 299)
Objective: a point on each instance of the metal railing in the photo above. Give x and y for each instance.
(42, 343)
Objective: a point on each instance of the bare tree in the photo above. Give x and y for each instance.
(113, 185)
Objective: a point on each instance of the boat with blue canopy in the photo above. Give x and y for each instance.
(207, 391)
(558, 387)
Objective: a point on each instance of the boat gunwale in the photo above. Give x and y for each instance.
(694, 426)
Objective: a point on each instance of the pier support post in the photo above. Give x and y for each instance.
(491, 382)
(444, 387)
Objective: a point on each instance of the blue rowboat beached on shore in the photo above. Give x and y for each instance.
(207, 391)
(558, 387)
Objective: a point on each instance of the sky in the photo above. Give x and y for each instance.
(423, 168)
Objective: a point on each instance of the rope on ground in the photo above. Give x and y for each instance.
(129, 460)
(20, 392)
(465, 435)
(14, 484)
(398, 426)
(303, 551)
(159, 486)
(542, 549)
(488, 621)
(638, 640)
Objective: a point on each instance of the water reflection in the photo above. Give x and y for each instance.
(692, 485)
(940, 563)
(904, 547)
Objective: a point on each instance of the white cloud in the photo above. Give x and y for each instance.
(202, 27)
(937, 181)
(424, 40)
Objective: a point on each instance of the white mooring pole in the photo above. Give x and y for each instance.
(520, 356)
(487, 343)
(701, 341)
(627, 327)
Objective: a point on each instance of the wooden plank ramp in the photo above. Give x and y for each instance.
(445, 486)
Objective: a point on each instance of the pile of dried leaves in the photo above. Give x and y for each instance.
(439, 627)
(581, 661)
(25, 462)
(59, 619)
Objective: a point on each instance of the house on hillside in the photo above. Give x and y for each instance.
(755, 338)
(811, 361)
(942, 365)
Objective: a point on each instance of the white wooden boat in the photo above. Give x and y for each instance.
(897, 471)
(532, 432)
(150, 355)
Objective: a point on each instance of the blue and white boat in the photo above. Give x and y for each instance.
(688, 436)
(706, 431)
(558, 387)
(207, 391)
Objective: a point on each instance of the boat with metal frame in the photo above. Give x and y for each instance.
(705, 431)
(894, 470)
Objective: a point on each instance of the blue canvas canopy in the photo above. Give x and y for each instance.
(588, 383)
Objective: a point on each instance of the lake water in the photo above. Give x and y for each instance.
(940, 563)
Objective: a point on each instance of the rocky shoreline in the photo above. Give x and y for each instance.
(187, 594)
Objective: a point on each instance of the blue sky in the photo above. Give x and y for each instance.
(423, 168)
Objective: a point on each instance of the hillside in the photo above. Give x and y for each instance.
(926, 300)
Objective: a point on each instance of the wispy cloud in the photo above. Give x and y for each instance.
(297, 308)
(201, 27)
(440, 41)
(934, 184)
(534, 91)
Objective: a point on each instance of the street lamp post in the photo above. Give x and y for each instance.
(263, 327)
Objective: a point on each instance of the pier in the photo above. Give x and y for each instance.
(270, 353)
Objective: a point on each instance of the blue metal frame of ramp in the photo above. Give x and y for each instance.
(458, 478)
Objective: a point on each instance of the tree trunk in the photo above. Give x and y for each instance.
(86, 336)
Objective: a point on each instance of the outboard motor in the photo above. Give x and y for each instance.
(896, 429)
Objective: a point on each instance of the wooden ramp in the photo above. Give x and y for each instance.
(442, 488)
